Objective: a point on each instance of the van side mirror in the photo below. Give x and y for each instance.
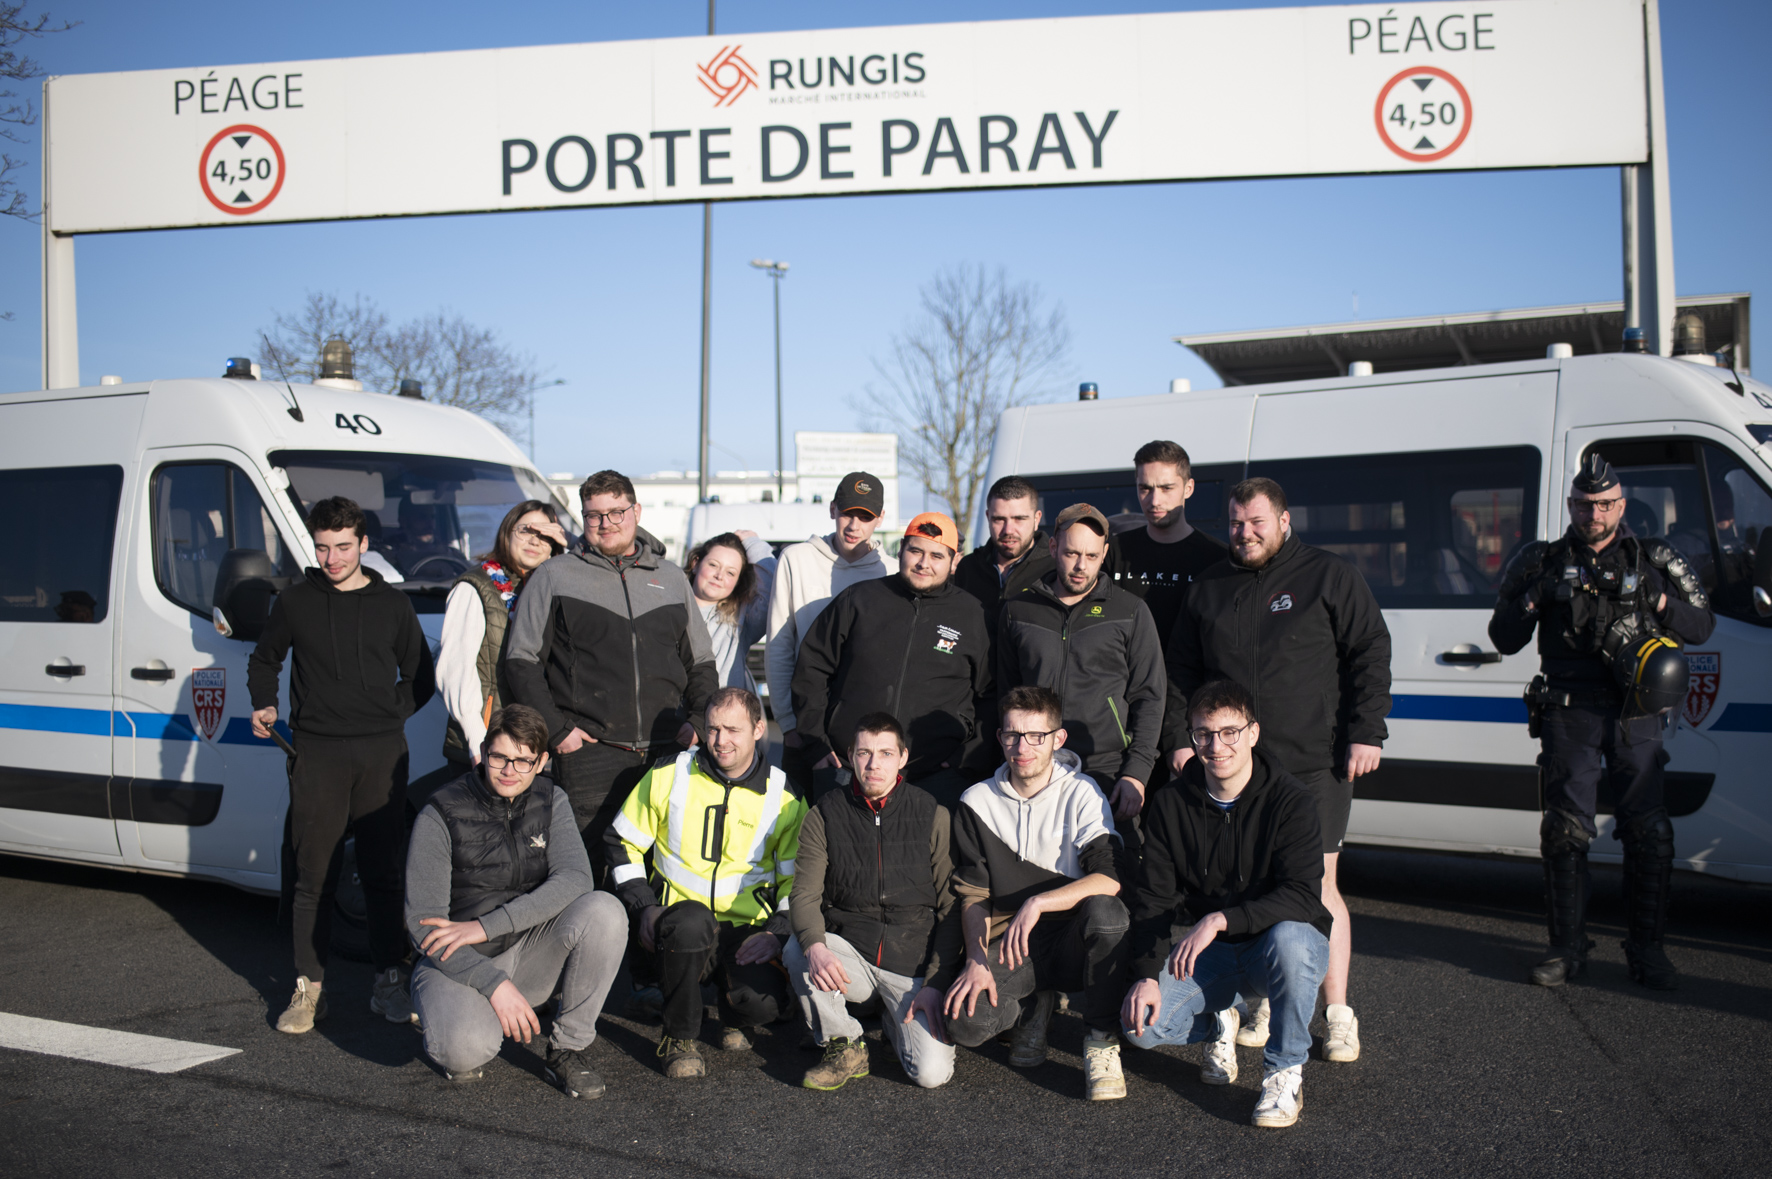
(244, 586)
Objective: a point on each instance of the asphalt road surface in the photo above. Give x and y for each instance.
(1465, 1071)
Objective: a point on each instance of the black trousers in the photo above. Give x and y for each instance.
(1585, 745)
(357, 783)
(1087, 952)
(597, 779)
(691, 948)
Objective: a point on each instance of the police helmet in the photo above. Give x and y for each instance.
(1653, 673)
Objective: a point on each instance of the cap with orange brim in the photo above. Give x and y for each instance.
(936, 526)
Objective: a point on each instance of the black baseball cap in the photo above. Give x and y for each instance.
(858, 489)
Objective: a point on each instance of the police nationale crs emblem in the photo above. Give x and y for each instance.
(1707, 680)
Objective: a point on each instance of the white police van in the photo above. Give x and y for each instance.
(1428, 481)
(139, 520)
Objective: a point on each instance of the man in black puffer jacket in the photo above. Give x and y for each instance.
(499, 900)
(874, 915)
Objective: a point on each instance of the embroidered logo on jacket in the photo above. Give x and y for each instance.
(946, 639)
(1279, 603)
(538, 841)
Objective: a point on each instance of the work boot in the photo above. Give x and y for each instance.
(1220, 1066)
(1101, 1066)
(844, 1060)
(1648, 870)
(1649, 966)
(1027, 1040)
(1282, 1097)
(391, 997)
(1341, 1040)
(306, 1008)
(1254, 1031)
(734, 1040)
(1563, 845)
(570, 1071)
(682, 1058)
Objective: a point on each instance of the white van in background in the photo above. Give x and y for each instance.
(129, 515)
(1428, 481)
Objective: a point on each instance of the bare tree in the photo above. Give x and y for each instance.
(16, 111)
(458, 363)
(979, 345)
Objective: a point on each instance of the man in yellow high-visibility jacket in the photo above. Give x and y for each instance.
(722, 827)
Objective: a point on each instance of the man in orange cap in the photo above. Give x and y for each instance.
(913, 645)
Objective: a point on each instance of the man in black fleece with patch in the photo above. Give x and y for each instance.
(362, 666)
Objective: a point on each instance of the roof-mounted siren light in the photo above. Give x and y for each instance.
(1088, 391)
(1689, 341)
(107, 379)
(1180, 385)
(338, 365)
(1635, 340)
(413, 389)
(1559, 352)
(1360, 368)
(241, 369)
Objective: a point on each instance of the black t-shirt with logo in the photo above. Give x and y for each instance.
(1159, 573)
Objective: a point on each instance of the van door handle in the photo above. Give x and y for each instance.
(160, 674)
(61, 667)
(1471, 656)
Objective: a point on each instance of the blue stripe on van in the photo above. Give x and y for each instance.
(44, 718)
(239, 732)
(1500, 710)
(149, 726)
(1744, 718)
(160, 726)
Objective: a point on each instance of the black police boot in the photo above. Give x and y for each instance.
(1648, 868)
(1563, 844)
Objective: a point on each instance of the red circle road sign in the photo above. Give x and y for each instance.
(245, 182)
(1411, 132)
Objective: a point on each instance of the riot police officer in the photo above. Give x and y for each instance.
(1605, 603)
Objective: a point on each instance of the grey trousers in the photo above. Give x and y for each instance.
(926, 1060)
(581, 948)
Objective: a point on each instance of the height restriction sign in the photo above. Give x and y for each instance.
(1423, 114)
(241, 169)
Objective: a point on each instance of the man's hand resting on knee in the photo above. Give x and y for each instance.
(515, 1015)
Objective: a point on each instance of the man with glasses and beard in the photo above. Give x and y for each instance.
(1299, 627)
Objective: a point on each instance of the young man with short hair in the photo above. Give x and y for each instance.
(1233, 854)
(808, 576)
(609, 646)
(1039, 909)
(722, 827)
(874, 915)
(500, 903)
(1158, 560)
(361, 667)
(1094, 644)
(912, 645)
(1016, 555)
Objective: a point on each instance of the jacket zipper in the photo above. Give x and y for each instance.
(880, 871)
(719, 849)
(640, 734)
(905, 663)
(1125, 741)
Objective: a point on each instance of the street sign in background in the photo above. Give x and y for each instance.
(1169, 96)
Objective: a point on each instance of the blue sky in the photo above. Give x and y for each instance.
(608, 299)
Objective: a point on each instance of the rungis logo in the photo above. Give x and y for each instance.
(727, 76)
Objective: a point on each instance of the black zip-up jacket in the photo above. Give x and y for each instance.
(1259, 863)
(977, 575)
(1305, 635)
(362, 665)
(1102, 658)
(613, 646)
(880, 646)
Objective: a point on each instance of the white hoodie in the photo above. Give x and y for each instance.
(807, 576)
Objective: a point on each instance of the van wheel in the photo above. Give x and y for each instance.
(350, 911)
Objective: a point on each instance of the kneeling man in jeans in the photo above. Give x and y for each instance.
(499, 900)
(1235, 851)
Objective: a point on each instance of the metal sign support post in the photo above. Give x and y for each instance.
(707, 311)
(1647, 213)
(61, 336)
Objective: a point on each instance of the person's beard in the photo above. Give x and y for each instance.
(1607, 531)
(1257, 559)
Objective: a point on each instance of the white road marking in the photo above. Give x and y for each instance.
(154, 1054)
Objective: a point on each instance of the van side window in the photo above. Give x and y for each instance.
(57, 569)
(201, 510)
(1429, 530)
(1741, 511)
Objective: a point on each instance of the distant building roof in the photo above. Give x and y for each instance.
(1443, 341)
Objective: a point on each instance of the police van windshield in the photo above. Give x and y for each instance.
(429, 517)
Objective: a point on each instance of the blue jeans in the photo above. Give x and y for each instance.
(1286, 964)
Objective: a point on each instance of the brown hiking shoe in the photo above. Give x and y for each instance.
(682, 1059)
(306, 1007)
(844, 1060)
(733, 1040)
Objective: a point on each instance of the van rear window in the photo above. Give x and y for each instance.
(59, 570)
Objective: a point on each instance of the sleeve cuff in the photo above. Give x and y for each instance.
(497, 923)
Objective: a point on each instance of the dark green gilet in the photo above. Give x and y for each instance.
(489, 663)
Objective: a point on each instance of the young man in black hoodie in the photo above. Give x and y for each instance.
(1234, 852)
(1017, 554)
(362, 666)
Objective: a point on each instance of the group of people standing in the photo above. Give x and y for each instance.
(1069, 766)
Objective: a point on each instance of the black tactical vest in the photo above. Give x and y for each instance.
(879, 890)
(498, 847)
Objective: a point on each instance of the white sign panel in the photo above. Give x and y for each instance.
(1091, 100)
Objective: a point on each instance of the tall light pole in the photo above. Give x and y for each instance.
(707, 301)
(776, 271)
(531, 392)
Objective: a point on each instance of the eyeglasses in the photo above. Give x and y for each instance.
(596, 519)
(523, 765)
(1203, 737)
(1036, 740)
(1601, 506)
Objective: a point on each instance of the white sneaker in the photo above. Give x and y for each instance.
(1220, 1067)
(1282, 1096)
(1101, 1066)
(1254, 1033)
(1341, 1043)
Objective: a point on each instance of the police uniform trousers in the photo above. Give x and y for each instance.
(1586, 744)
